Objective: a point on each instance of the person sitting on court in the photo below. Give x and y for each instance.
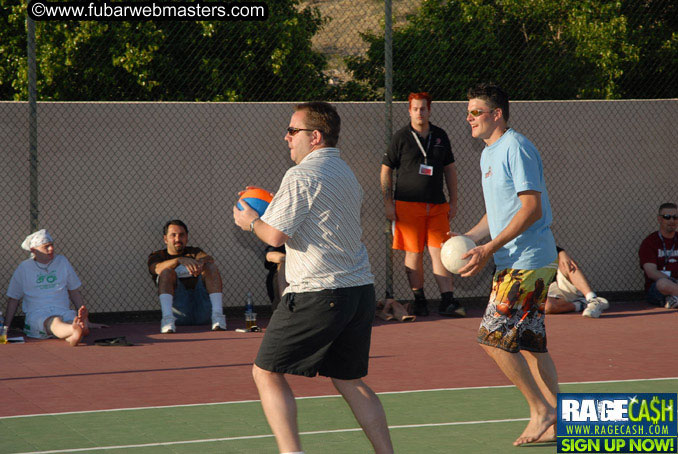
(189, 283)
(658, 256)
(571, 291)
(46, 284)
(274, 262)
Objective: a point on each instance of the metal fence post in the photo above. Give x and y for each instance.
(388, 105)
(32, 125)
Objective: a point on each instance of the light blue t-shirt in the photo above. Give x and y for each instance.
(511, 165)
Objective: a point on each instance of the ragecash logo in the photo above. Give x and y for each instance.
(617, 422)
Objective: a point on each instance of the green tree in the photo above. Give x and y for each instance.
(243, 61)
(653, 28)
(171, 61)
(12, 49)
(537, 49)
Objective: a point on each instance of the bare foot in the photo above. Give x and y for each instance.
(83, 315)
(78, 333)
(536, 429)
(548, 436)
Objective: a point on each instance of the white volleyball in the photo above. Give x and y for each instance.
(453, 249)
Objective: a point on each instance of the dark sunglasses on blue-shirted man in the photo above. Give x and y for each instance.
(668, 217)
(292, 131)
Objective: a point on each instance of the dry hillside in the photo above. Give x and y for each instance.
(347, 19)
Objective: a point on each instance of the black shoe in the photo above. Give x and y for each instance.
(453, 309)
(420, 307)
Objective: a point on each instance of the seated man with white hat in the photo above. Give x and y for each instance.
(46, 284)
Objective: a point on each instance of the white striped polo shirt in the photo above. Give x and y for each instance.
(318, 206)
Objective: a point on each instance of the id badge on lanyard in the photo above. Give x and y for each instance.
(425, 170)
(668, 255)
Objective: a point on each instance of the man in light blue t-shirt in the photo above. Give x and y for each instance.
(517, 219)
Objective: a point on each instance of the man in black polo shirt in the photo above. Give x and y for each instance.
(419, 210)
(189, 283)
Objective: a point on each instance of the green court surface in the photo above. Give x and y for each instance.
(466, 420)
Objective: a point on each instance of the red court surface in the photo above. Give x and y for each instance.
(629, 341)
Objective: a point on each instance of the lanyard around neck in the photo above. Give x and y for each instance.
(667, 254)
(428, 143)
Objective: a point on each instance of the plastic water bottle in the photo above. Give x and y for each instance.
(250, 316)
(3, 330)
(249, 307)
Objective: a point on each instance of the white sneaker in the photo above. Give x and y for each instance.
(218, 322)
(167, 325)
(595, 307)
(671, 302)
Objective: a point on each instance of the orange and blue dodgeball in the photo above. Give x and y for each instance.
(256, 198)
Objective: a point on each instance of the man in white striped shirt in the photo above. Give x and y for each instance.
(323, 323)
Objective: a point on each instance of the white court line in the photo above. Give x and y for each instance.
(385, 393)
(252, 437)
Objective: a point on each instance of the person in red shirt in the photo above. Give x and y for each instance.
(658, 256)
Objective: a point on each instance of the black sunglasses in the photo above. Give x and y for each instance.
(668, 217)
(292, 131)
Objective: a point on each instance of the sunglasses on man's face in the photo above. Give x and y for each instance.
(668, 217)
(477, 112)
(292, 131)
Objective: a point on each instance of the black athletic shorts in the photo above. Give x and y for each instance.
(326, 332)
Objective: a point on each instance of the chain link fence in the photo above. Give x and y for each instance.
(140, 122)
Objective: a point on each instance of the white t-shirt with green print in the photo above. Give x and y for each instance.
(41, 286)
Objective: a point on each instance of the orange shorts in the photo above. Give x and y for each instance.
(419, 224)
